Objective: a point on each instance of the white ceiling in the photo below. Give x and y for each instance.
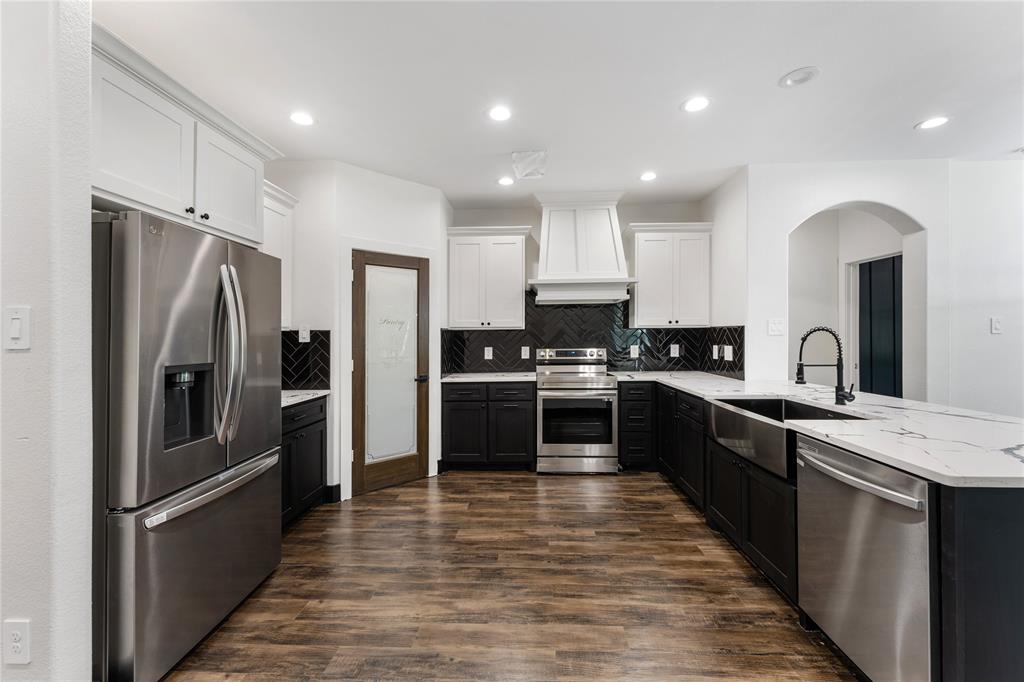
(403, 88)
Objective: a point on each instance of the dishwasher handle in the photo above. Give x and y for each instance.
(909, 501)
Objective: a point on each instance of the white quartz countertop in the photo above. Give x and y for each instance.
(296, 397)
(948, 445)
(489, 376)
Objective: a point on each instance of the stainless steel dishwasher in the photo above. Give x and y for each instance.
(864, 560)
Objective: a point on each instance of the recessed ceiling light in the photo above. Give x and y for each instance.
(695, 104)
(799, 76)
(505, 181)
(647, 176)
(500, 113)
(302, 118)
(930, 123)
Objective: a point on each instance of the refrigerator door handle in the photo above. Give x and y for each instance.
(227, 404)
(174, 512)
(243, 355)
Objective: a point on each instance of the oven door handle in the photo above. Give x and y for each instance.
(577, 394)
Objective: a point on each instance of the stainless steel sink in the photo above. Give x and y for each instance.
(754, 428)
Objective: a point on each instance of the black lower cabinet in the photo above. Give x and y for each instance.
(637, 418)
(303, 458)
(512, 436)
(690, 443)
(464, 432)
(724, 501)
(769, 527)
(488, 426)
(757, 511)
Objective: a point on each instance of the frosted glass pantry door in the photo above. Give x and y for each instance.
(391, 354)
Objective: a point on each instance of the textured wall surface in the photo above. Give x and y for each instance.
(585, 326)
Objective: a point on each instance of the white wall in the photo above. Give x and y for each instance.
(986, 371)
(341, 208)
(46, 486)
(814, 294)
(726, 207)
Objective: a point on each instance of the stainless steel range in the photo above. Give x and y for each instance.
(577, 412)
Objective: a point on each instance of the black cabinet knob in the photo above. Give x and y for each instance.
(481, 324)
(205, 216)
(488, 324)
(190, 210)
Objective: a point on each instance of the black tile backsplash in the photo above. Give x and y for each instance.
(306, 366)
(601, 326)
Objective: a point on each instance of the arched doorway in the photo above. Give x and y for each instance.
(859, 267)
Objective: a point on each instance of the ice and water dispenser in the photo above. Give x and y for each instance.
(188, 404)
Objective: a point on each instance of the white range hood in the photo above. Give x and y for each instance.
(581, 256)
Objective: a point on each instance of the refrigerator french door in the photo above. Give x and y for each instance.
(187, 369)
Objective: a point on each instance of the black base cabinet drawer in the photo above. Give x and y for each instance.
(635, 416)
(635, 390)
(296, 416)
(636, 450)
(458, 391)
(510, 391)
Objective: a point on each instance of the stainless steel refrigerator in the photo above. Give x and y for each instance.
(187, 431)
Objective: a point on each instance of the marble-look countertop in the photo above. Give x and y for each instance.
(489, 377)
(295, 397)
(948, 445)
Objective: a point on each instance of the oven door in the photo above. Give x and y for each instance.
(577, 423)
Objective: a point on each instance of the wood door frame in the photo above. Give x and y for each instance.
(402, 469)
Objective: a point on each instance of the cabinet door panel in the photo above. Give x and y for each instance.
(692, 279)
(309, 474)
(504, 293)
(229, 186)
(464, 432)
(465, 282)
(769, 528)
(724, 494)
(691, 466)
(512, 435)
(143, 147)
(653, 289)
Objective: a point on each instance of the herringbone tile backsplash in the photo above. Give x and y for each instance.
(586, 326)
(306, 366)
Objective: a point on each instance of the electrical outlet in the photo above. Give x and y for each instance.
(995, 325)
(714, 352)
(634, 351)
(17, 637)
(728, 353)
(776, 326)
(524, 352)
(488, 353)
(673, 350)
(303, 333)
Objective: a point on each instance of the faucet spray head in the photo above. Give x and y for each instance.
(800, 373)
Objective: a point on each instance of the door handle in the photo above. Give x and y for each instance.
(909, 501)
(206, 498)
(227, 405)
(243, 353)
(422, 378)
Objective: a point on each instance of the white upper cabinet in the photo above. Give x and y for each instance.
(142, 144)
(229, 186)
(159, 148)
(487, 278)
(673, 271)
(278, 231)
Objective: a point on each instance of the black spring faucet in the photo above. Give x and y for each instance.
(842, 395)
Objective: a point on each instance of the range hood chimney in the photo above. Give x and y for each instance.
(581, 256)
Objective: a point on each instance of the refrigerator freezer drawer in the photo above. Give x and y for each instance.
(177, 567)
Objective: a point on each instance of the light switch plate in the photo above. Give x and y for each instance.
(995, 325)
(17, 327)
(303, 334)
(17, 638)
(728, 353)
(634, 351)
(673, 350)
(714, 352)
(488, 353)
(776, 326)
(524, 352)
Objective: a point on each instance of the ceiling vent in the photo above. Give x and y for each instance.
(529, 165)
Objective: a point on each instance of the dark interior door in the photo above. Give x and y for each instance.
(881, 326)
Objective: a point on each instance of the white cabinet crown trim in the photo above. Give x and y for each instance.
(495, 231)
(279, 194)
(638, 228)
(114, 50)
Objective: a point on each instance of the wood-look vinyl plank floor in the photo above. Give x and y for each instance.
(511, 576)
